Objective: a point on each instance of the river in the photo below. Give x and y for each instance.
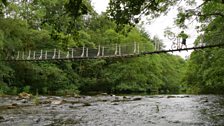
(152, 110)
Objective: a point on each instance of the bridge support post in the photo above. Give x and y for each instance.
(54, 56)
(67, 56)
(17, 57)
(23, 55)
(119, 50)
(87, 52)
(41, 54)
(135, 47)
(59, 54)
(155, 46)
(115, 53)
(103, 50)
(138, 49)
(98, 53)
(72, 53)
(34, 55)
(28, 58)
(46, 54)
(83, 51)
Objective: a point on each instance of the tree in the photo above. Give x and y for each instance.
(130, 11)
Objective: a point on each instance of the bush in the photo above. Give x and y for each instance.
(4, 89)
(26, 89)
(13, 91)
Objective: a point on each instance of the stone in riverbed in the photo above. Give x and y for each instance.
(24, 101)
(86, 104)
(186, 96)
(2, 118)
(13, 106)
(137, 99)
(37, 120)
(170, 96)
(56, 102)
(115, 104)
(104, 94)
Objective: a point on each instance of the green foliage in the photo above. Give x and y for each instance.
(36, 100)
(4, 89)
(63, 24)
(130, 11)
(26, 89)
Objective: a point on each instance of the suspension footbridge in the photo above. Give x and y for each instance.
(99, 52)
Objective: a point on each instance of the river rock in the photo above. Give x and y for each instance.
(25, 95)
(2, 118)
(126, 98)
(137, 99)
(56, 102)
(170, 96)
(24, 101)
(37, 120)
(13, 106)
(45, 102)
(86, 104)
(115, 104)
(186, 96)
(104, 94)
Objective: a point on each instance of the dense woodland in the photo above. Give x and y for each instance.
(63, 24)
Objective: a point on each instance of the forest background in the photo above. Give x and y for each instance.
(62, 24)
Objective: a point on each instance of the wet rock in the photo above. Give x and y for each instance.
(126, 98)
(45, 102)
(118, 99)
(204, 100)
(71, 106)
(157, 108)
(170, 96)
(86, 104)
(137, 99)
(151, 122)
(25, 95)
(185, 96)
(18, 98)
(104, 94)
(37, 120)
(77, 96)
(69, 121)
(115, 104)
(163, 117)
(56, 102)
(13, 106)
(2, 118)
(24, 101)
(176, 121)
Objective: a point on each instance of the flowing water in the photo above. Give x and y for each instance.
(157, 110)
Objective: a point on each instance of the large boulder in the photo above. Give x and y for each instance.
(25, 95)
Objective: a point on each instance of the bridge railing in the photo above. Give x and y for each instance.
(113, 50)
(100, 51)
